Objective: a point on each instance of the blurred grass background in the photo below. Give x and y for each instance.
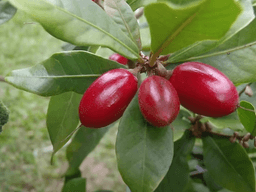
(24, 143)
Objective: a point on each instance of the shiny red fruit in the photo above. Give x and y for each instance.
(119, 58)
(106, 99)
(158, 101)
(205, 90)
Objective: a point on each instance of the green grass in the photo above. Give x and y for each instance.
(24, 163)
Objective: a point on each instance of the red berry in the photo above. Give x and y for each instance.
(158, 101)
(106, 99)
(119, 58)
(205, 90)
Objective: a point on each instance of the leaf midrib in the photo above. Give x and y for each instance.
(56, 77)
(92, 25)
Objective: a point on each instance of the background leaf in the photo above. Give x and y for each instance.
(62, 72)
(231, 160)
(62, 118)
(247, 118)
(77, 184)
(230, 121)
(177, 177)
(144, 153)
(175, 27)
(124, 17)
(73, 22)
(7, 11)
(180, 124)
(81, 145)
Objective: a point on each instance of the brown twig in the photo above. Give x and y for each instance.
(139, 13)
(2, 79)
(241, 92)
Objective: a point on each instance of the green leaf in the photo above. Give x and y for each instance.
(177, 177)
(4, 115)
(76, 185)
(62, 72)
(180, 124)
(62, 118)
(124, 17)
(235, 58)
(247, 118)
(81, 23)
(228, 164)
(174, 27)
(144, 153)
(7, 11)
(81, 145)
(230, 121)
(199, 49)
(139, 3)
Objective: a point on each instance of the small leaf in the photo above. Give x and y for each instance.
(4, 115)
(174, 27)
(82, 23)
(177, 177)
(144, 153)
(62, 118)
(247, 118)
(62, 72)
(7, 11)
(228, 164)
(124, 17)
(76, 185)
(139, 3)
(81, 145)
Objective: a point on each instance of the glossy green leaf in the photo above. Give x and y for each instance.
(236, 57)
(254, 2)
(124, 17)
(62, 72)
(7, 11)
(139, 3)
(180, 124)
(4, 115)
(62, 118)
(201, 48)
(76, 185)
(228, 164)
(175, 27)
(230, 121)
(79, 22)
(177, 177)
(81, 145)
(247, 118)
(144, 153)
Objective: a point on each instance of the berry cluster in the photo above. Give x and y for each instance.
(199, 87)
